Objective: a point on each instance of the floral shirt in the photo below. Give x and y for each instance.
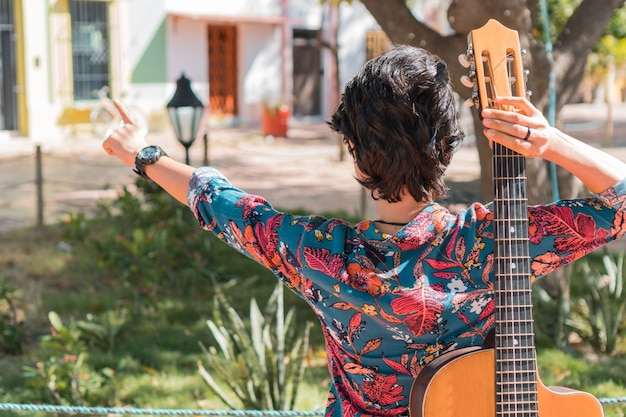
(389, 304)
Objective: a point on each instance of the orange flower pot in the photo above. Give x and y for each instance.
(275, 120)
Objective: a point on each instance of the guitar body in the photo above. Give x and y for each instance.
(462, 384)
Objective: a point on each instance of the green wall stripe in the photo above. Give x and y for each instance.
(151, 66)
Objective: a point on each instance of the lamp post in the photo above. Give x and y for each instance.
(185, 112)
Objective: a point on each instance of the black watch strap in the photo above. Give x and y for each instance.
(147, 156)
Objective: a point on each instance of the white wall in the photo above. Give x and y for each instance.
(224, 7)
(187, 51)
(40, 107)
(260, 69)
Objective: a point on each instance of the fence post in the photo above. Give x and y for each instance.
(39, 184)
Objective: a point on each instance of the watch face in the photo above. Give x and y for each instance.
(149, 153)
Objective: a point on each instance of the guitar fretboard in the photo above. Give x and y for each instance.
(516, 369)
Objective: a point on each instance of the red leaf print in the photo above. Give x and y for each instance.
(404, 359)
(463, 318)
(355, 322)
(421, 306)
(414, 366)
(388, 317)
(320, 260)
(371, 346)
(383, 390)
(545, 263)
(488, 310)
(536, 230)
(355, 368)
(584, 236)
(439, 265)
(619, 225)
(487, 267)
(267, 235)
(398, 367)
(445, 275)
(459, 249)
(488, 324)
(343, 306)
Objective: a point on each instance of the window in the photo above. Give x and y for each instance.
(8, 98)
(90, 47)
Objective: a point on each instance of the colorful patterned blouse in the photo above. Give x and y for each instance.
(389, 304)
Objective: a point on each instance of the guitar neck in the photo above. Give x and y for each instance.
(515, 348)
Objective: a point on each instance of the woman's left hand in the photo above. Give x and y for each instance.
(524, 129)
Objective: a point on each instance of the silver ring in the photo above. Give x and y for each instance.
(527, 133)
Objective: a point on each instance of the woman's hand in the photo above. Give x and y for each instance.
(524, 129)
(125, 141)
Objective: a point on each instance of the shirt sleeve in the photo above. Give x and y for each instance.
(279, 241)
(567, 230)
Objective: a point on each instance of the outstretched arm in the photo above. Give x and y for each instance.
(527, 132)
(126, 141)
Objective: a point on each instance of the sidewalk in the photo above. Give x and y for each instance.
(302, 171)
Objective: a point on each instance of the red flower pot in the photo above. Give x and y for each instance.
(275, 120)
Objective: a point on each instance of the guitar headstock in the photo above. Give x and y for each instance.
(494, 59)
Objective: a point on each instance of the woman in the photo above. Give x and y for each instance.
(397, 291)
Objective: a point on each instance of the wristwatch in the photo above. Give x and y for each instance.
(147, 156)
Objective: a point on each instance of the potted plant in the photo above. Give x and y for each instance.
(275, 118)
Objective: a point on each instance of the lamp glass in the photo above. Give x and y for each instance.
(186, 122)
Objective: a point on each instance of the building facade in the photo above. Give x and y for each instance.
(57, 55)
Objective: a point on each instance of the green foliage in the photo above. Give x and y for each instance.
(599, 305)
(261, 363)
(65, 377)
(12, 330)
(558, 11)
(550, 315)
(145, 240)
(103, 333)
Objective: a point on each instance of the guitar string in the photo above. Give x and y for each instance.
(514, 213)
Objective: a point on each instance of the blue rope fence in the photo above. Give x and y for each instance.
(156, 411)
(174, 412)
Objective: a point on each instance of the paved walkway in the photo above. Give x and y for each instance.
(302, 171)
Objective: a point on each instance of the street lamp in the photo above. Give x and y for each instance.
(185, 112)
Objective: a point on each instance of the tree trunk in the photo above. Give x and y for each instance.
(573, 45)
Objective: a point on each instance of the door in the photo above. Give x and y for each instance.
(307, 73)
(223, 70)
(8, 97)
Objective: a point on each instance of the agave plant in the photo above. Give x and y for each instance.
(600, 307)
(259, 363)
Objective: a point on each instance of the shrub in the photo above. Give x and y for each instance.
(12, 330)
(261, 363)
(64, 375)
(145, 240)
(599, 300)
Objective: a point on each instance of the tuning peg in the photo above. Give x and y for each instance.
(523, 51)
(526, 73)
(529, 94)
(468, 81)
(464, 60)
(473, 101)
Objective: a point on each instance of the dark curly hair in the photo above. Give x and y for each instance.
(399, 119)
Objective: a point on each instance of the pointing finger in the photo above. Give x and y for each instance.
(124, 112)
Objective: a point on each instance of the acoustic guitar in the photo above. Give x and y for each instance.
(499, 380)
